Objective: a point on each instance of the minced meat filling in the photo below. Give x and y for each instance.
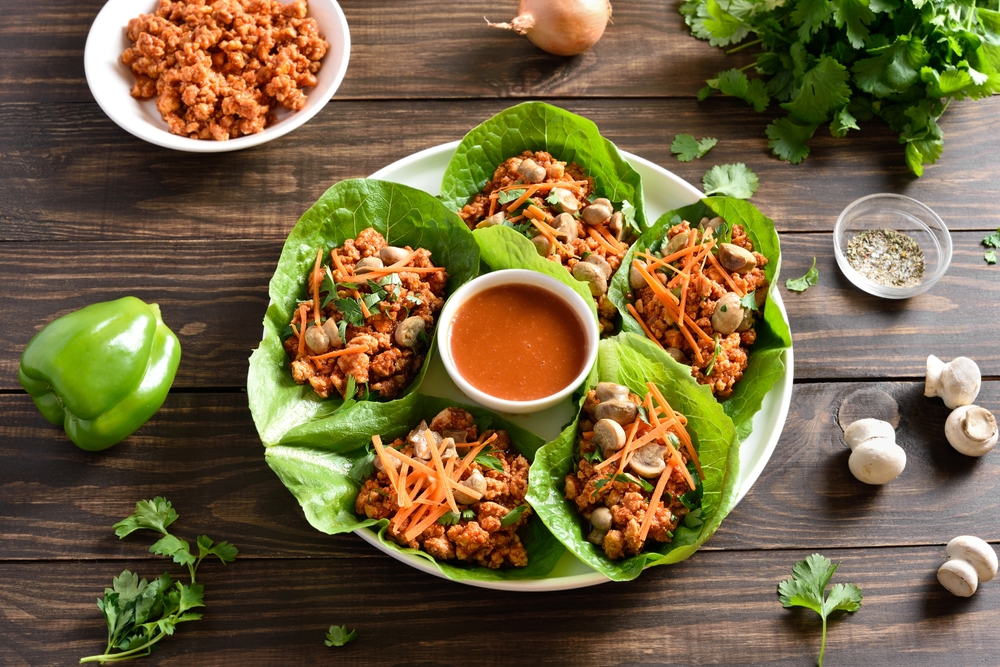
(341, 341)
(477, 534)
(623, 502)
(593, 233)
(710, 283)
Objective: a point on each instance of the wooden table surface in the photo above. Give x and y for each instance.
(89, 213)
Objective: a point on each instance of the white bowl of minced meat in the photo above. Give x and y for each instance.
(209, 76)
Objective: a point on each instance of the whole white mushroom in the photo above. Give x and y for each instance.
(971, 430)
(875, 456)
(956, 382)
(971, 560)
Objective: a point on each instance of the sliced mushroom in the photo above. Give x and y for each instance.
(447, 449)
(712, 225)
(492, 221)
(617, 225)
(596, 537)
(459, 435)
(676, 243)
(396, 463)
(332, 332)
(728, 314)
(971, 430)
(474, 481)
(542, 245)
(737, 259)
(591, 275)
(566, 200)
(531, 171)
(609, 391)
(421, 448)
(600, 263)
(565, 226)
(598, 211)
(417, 433)
(408, 331)
(677, 354)
(620, 410)
(367, 264)
(635, 279)
(600, 519)
(609, 436)
(317, 340)
(760, 295)
(390, 254)
(648, 460)
(747, 323)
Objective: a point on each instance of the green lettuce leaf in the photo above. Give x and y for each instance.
(632, 360)
(540, 127)
(403, 215)
(773, 337)
(316, 464)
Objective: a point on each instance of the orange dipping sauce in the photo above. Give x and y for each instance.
(518, 342)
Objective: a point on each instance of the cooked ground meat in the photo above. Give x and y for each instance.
(707, 286)
(377, 359)
(219, 68)
(477, 535)
(627, 501)
(606, 239)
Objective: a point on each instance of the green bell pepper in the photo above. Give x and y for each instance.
(101, 371)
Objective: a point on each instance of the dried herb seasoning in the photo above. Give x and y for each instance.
(887, 257)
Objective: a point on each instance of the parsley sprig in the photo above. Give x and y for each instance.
(844, 62)
(140, 613)
(805, 282)
(992, 242)
(807, 588)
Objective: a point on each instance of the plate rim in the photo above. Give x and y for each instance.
(594, 577)
(92, 66)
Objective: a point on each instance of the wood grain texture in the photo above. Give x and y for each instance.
(407, 49)
(70, 173)
(213, 294)
(714, 609)
(202, 453)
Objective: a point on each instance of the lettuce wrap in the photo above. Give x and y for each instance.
(633, 360)
(404, 216)
(765, 363)
(324, 470)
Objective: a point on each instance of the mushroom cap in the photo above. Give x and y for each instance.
(678, 355)
(676, 243)
(565, 226)
(366, 264)
(933, 380)
(317, 339)
(959, 577)
(542, 245)
(960, 382)
(568, 203)
(592, 275)
(621, 410)
(495, 219)
(971, 430)
(475, 481)
(877, 461)
(600, 263)
(599, 211)
(609, 435)
(408, 331)
(728, 314)
(976, 552)
(866, 429)
(531, 171)
(608, 391)
(648, 460)
(600, 518)
(635, 279)
(391, 254)
(332, 332)
(735, 258)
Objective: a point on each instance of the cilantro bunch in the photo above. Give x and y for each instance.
(841, 62)
(140, 613)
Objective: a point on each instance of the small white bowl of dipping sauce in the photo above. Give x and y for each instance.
(517, 341)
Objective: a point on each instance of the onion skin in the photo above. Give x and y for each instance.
(560, 27)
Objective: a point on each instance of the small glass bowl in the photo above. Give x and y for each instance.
(902, 214)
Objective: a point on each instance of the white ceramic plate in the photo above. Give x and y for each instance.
(663, 191)
(110, 81)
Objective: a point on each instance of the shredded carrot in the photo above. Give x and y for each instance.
(543, 186)
(629, 446)
(354, 349)
(428, 521)
(414, 505)
(390, 470)
(473, 453)
(316, 280)
(638, 318)
(654, 501)
(681, 432)
(443, 478)
(670, 304)
(725, 274)
(592, 233)
(402, 499)
(547, 232)
(302, 338)
(386, 270)
(619, 246)
(531, 189)
(493, 206)
(635, 444)
(341, 271)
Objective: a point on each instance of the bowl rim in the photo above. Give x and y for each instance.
(888, 291)
(516, 277)
(94, 68)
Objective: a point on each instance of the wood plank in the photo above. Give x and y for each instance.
(716, 608)
(213, 294)
(202, 453)
(446, 51)
(70, 173)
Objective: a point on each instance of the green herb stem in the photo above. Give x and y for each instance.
(744, 46)
(822, 644)
(124, 655)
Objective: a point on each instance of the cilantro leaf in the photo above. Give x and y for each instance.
(733, 180)
(687, 148)
(351, 310)
(749, 301)
(893, 69)
(821, 90)
(155, 514)
(809, 16)
(735, 83)
(224, 551)
(486, 461)
(508, 196)
(450, 518)
(807, 588)
(513, 516)
(842, 122)
(788, 139)
(993, 239)
(990, 256)
(363, 468)
(628, 213)
(338, 635)
(805, 282)
(856, 17)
